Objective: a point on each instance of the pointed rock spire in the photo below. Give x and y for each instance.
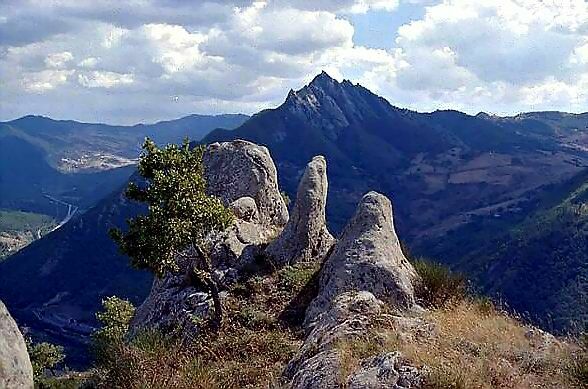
(306, 237)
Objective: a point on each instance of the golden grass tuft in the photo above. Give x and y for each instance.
(473, 347)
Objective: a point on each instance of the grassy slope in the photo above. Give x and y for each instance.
(540, 266)
(463, 343)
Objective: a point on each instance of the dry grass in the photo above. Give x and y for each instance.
(474, 348)
(260, 334)
(467, 345)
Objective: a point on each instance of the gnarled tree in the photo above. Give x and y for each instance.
(181, 216)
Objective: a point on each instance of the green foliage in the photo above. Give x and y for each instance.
(439, 285)
(44, 356)
(180, 212)
(115, 318)
(297, 275)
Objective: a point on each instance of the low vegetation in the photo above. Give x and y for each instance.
(45, 358)
(464, 341)
(440, 286)
(260, 333)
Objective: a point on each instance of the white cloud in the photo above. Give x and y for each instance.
(506, 56)
(58, 60)
(124, 61)
(45, 80)
(89, 62)
(102, 79)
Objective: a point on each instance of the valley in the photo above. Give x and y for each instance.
(59, 168)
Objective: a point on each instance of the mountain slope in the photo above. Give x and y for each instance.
(441, 167)
(540, 265)
(55, 285)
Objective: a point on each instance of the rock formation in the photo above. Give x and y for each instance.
(367, 257)
(16, 371)
(244, 176)
(306, 237)
(242, 169)
(365, 276)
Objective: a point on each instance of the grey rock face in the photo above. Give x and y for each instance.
(367, 257)
(306, 237)
(16, 371)
(365, 276)
(385, 371)
(243, 169)
(244, 176)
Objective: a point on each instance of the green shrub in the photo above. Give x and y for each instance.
(44, 356)
(296, 276)
(439, 285)
(115, 317)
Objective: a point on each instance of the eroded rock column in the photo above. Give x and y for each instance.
(365, 276)
(306, 237)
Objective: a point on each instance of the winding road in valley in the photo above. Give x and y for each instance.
(71, 211)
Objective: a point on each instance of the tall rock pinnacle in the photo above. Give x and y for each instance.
(306, 237)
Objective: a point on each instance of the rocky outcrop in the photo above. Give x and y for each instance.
(244, 176)
(367, 257)
(365, 276)
(16, 371)
(306, 237)
(243, 169)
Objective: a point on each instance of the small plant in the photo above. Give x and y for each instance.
(297, 275)
(115, 318)
(445, 377)
(44, 356)
(439, 285)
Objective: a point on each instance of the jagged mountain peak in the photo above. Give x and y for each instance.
(334, 103)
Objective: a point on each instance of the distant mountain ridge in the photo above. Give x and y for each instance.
(77, 162)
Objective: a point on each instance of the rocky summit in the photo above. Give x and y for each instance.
(364, 272)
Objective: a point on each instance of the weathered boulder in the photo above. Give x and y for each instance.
(244, 176)
(243, 169)
(367, 257)
(306, 237)
(16, 371)
(365, 276)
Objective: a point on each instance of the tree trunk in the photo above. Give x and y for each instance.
(204, 275)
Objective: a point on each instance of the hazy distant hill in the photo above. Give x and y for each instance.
(39, 156)
(445, 171)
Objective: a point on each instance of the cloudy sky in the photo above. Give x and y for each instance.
(145, 60)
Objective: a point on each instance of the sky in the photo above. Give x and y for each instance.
(124, 62)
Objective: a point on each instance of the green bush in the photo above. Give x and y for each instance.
(44, 356)
(439, 285)
(115, 318)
